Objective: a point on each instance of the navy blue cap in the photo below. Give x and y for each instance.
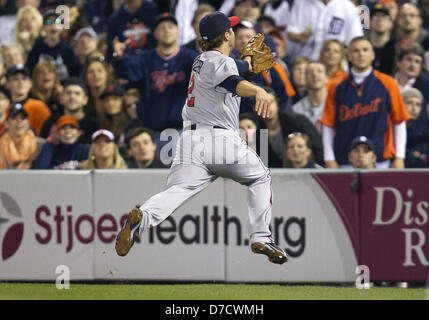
(216, 23)
(165, 16)
(362, 140)
(15, 109)
(113, 89)
(18, 68)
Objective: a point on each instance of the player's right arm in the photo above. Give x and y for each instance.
(262, 103)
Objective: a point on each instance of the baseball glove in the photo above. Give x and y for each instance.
(261, 56)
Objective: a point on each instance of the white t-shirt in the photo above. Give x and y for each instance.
(339, 19)
(314, 114)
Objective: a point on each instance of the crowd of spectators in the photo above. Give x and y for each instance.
(95, 84)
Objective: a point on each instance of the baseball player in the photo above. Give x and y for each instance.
(210, 118)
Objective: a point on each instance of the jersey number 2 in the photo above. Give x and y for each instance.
(191, 100)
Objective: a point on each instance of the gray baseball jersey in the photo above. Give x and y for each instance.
(207, 103)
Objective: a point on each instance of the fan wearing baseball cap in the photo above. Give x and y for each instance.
(18, 145)
(67, 154)
(362, 154)
(104, 153)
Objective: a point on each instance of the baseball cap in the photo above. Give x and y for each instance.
(76, 82)
(103, 132)
(379, 8)
(113, 89)
(243, 24)
(67, 119)
(276, 33)
(88, 30)
(362, 140)
(15, 109)
(216, 23)
(164, 16)
(18, 68)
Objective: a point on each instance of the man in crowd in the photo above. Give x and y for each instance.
(364, 103)
(313, 104)
(161, 75)
(141, 147)
(132, 24)
(381, 26)
(51, 47)
(362, 153)
(19, 83)
(409, 29)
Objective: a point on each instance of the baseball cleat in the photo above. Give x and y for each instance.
(274, 253)
(129, 232)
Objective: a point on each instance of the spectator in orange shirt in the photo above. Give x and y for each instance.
(18, 145)
(19, 84)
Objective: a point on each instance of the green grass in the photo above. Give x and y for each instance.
(42, 291)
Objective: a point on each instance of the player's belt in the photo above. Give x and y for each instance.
(194, 127)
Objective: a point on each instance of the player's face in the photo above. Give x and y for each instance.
(414, 106)
(242, 37)
(103, 147)
(19, 84)
(96, 75)
(298, 152)
(409, 18)
(247, 130)
(45, 78)
(142, 148)
(362, 157)
(316, 76)
(112, 105)
(68, 134)
(331, 55)
(361, 55)
(166, 33)
(410, 65)
(74, 98)
(18, 125)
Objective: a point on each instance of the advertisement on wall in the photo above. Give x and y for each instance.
(329, 223)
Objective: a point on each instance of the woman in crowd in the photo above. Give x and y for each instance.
(96, 77)
(332, 56)
(18, 145)
(46, 86)
(104, 153)
(298, 153)
(299, 78)
(115, 118)
(28, 26)
(13, 54)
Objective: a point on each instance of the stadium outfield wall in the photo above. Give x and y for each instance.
(330, 222)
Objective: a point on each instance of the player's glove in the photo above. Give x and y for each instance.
(261, 56)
